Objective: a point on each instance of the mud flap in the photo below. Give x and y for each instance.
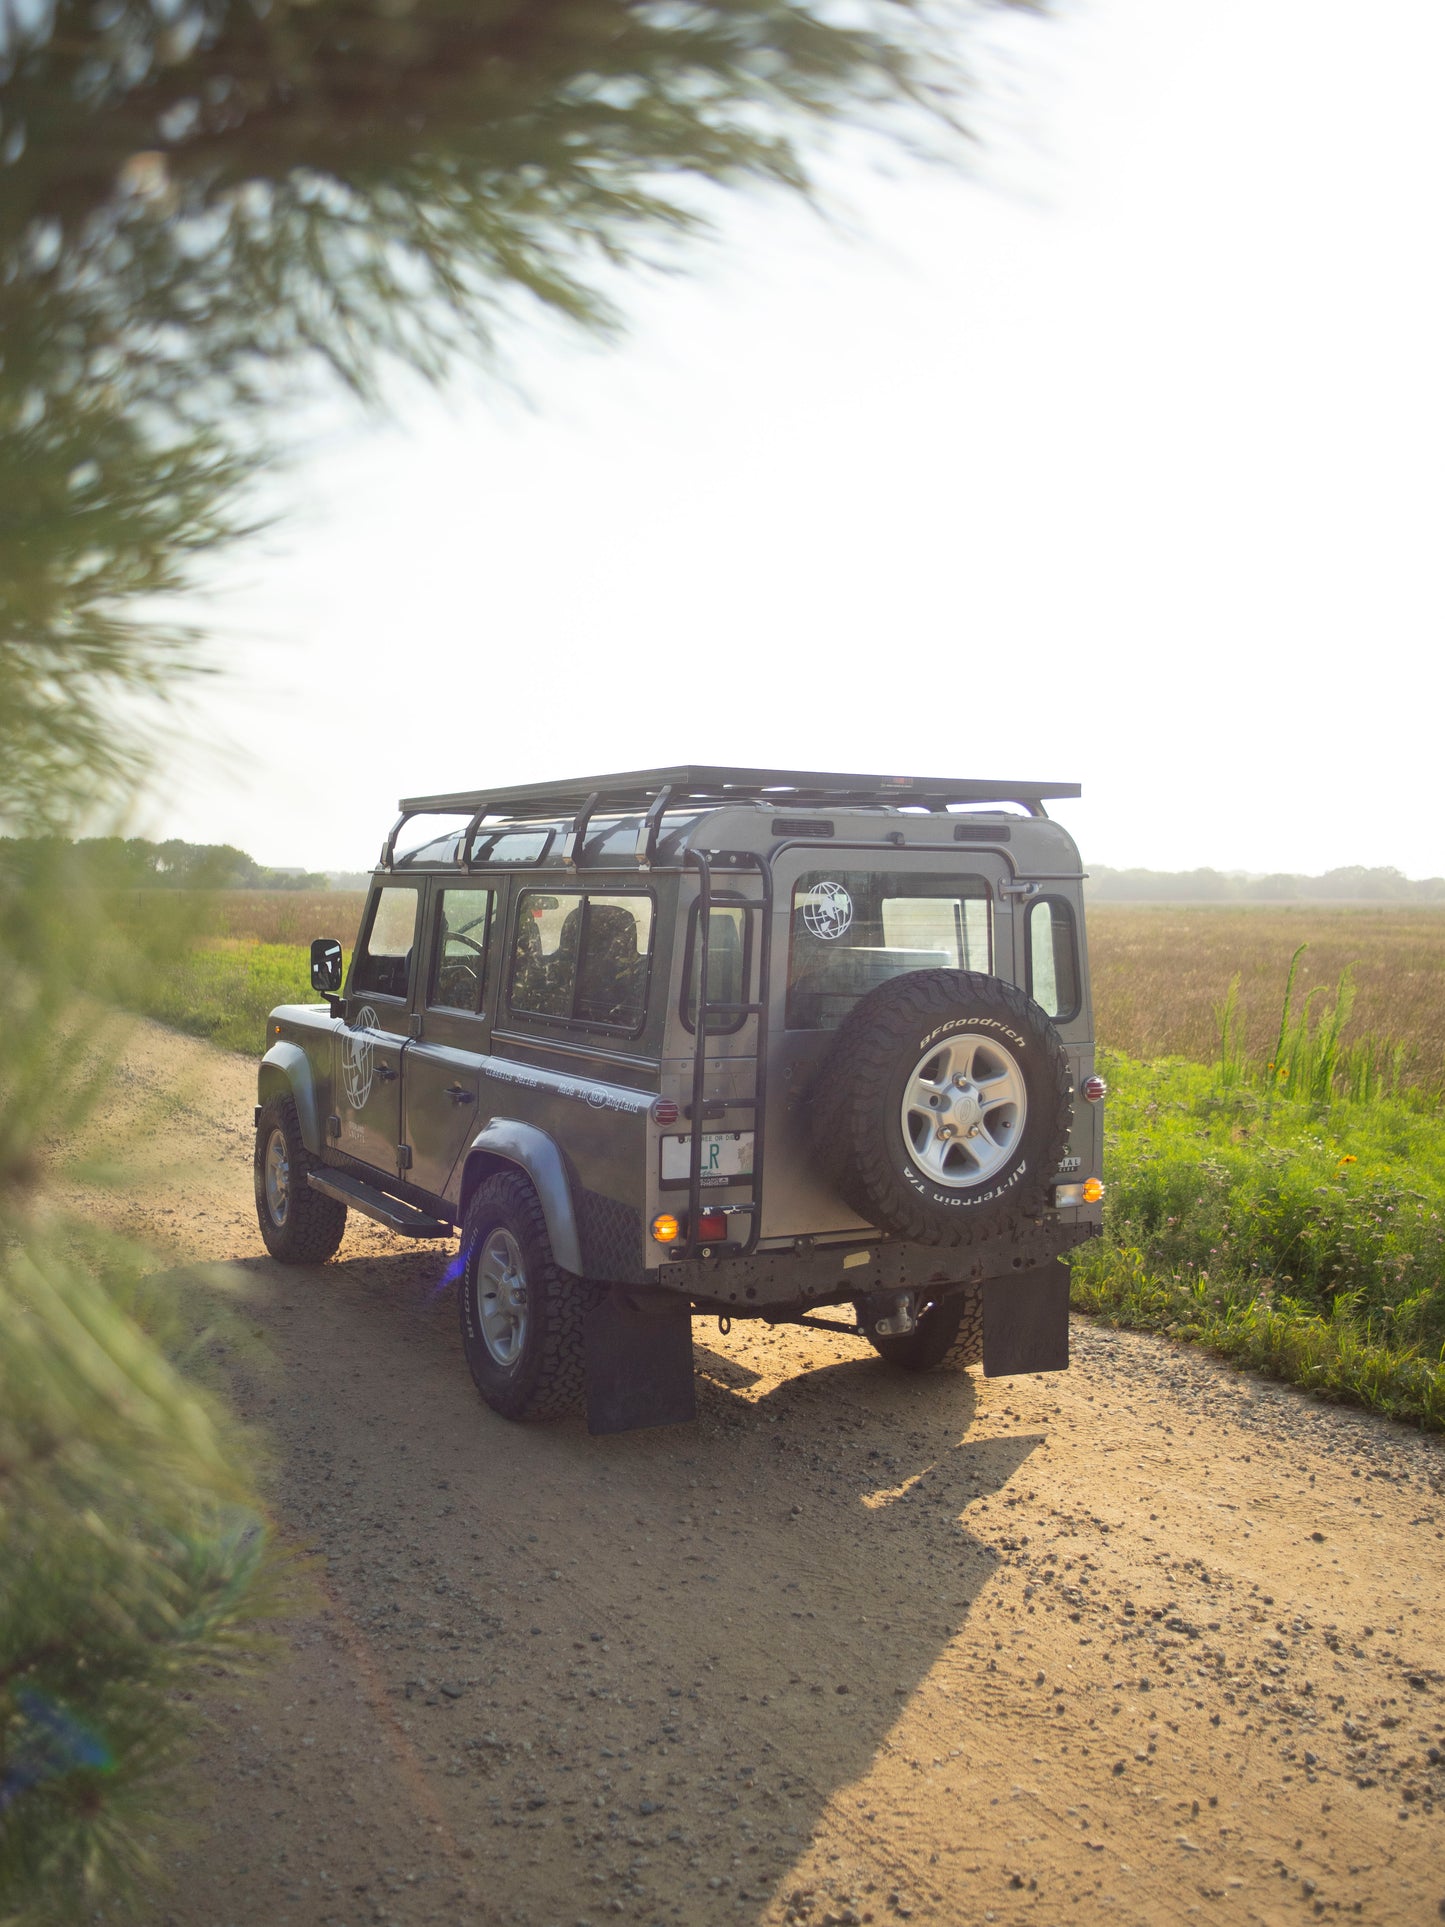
(1026, 1322)
(639, 1367)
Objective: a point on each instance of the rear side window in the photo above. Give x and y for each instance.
(852, 929)
(583, 959)
(459, 961)
(729, 942)
(382, 967)
(1053, 957)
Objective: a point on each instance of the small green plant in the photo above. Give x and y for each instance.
(1303, 1236)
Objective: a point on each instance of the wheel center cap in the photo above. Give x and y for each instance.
(966, 1112)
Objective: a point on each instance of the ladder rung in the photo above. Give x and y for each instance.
(719, 1106)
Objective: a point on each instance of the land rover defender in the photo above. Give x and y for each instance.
(705, 1042)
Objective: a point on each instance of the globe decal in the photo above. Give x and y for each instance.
(828, 911)
(358, 1058)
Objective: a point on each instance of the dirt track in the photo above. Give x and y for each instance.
(1143, 1642)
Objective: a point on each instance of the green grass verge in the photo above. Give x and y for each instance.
(1304, 1239)
(225, 991)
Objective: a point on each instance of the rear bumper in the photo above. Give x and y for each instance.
(787, 1281)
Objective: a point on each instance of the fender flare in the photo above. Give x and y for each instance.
(507, 1140)
(286, 1070)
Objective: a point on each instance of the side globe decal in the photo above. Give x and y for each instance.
(358, 1058)
(828, 911)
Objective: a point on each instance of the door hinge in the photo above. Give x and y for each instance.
(403, 1156)
(333, 1125)
(1020, 888)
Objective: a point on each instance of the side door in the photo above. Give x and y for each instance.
(442, 1067)
(844, 921)
(369, 1049)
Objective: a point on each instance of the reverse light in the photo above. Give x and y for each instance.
(1094, 1089)
(665, 1228)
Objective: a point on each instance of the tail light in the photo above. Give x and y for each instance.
(712, 1227)
(1093, 1088)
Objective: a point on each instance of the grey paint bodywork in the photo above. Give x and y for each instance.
(571, 1105)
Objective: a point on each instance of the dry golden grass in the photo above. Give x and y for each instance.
(1160, 969)
(261, 916)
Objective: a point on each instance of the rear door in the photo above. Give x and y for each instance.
(369, 1050)
(845, 920)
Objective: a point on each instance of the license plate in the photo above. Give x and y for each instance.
(725, 1154)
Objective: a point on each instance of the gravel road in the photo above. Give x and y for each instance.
(1148, 1641)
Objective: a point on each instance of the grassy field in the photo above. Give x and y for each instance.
(1160, 973)
(1305, 1239)
(1273, 1200)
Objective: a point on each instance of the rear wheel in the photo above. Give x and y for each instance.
(949, 1336)
(299, 1225)
(521, 1314)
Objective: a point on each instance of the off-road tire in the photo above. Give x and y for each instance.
(948, 1337)
(858, 1134)
(547, 1380)
(312, 1226)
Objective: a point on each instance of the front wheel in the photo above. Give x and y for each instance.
(521, 1314)
(300, 1226)
(948, 1337)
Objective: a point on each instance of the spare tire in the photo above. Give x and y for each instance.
(944, 1106)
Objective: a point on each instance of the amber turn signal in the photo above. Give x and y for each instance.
(1093, 1190)
(665, 1228)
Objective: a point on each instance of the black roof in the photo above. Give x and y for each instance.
(711, 784)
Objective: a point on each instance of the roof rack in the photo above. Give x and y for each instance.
(655, 791)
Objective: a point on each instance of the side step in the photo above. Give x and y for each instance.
(372, 1203)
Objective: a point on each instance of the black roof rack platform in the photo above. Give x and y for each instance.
(655, 791)
(704, 783)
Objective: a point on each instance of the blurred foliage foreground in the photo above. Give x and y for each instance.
(205, 210)
(134, 1553)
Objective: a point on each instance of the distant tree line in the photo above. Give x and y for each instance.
(1352, 884)
(135, 863)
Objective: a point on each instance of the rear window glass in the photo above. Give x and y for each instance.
(1053, 957)
(852, 929)
(727, 965)
(582, 958)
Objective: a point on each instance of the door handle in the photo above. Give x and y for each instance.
(386, 1073)
(459, 1094)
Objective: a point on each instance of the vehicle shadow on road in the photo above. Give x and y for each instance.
(679, 1647)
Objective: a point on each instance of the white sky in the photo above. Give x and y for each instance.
(1120, 463)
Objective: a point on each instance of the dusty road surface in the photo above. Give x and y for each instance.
(1149, 1641)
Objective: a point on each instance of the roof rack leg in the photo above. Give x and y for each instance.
(651, 824)
(576, 835)
(388, 849)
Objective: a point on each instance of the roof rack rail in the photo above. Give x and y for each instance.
(655, 791)
(709, 784)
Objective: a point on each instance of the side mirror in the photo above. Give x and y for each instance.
(326, 965)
